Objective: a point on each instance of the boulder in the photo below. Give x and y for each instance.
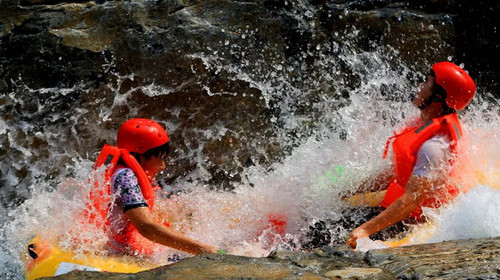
(236, 83)
(461, 259)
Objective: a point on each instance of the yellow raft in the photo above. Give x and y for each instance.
(45, 259)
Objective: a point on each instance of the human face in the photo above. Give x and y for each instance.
(424, 91)
(152, 165)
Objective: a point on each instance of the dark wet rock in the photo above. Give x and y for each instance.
(463, 259)
(478, 41)
(219, 74)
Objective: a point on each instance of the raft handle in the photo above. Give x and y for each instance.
(31, 252)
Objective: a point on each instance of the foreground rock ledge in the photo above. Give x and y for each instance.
(463, 259)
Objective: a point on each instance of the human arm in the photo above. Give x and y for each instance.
(376, 182)
(130, 198)
(371, 191)
(429, 170)
(416, 191)
(143, 221)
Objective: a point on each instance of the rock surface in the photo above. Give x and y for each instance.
(224, 76)
(463, 259)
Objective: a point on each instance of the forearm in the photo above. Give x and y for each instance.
(416, 191)
(161, 234)
(142, 220)
(396, 212)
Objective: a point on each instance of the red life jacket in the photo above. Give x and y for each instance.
(97, 211)
(405, 149)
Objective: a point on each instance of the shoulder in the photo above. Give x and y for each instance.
(123, 177)
(123, 173)
(127, 189)
(436, 142)
(432, 156)
(436, 148)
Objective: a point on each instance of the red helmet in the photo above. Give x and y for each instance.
(141, 135)
(457, 83)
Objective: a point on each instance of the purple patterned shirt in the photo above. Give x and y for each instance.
(127, 190)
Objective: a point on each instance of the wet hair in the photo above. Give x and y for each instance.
(439, 95)
(159, 152)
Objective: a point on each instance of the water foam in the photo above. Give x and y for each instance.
(473, 215)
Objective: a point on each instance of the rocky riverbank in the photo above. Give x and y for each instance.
(462, 259)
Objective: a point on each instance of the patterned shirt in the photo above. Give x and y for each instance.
(127, 190)
(126, 195)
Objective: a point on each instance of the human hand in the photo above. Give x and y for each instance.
(355, 235)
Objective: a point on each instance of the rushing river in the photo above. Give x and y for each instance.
(334, 144)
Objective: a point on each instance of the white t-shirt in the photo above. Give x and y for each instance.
(433, 157)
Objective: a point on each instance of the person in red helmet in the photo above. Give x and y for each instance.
(423, 153)
(123, 206)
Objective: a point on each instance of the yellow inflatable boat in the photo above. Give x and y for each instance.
(44, 259)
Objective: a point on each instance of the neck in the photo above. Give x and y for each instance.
(434, 110)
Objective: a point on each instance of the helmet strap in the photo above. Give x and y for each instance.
(431, 99)
(438, 95)
(447, 110)
(137, 156)
(437, 98)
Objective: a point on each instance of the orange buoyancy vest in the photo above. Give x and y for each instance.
(405, 148)
(99, 207)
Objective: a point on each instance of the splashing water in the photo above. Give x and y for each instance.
(303, 186)
(474, 215)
